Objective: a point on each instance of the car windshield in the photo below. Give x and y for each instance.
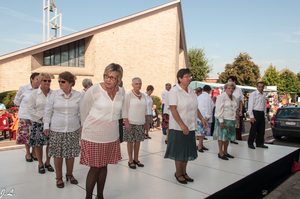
(289, 113)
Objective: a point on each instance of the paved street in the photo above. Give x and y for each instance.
(285, 141)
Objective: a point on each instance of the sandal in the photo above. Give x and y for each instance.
(138, 163)
(148, 137)
(132, 167)
(74, 181)
(28, 160)
(60, 185)
(49, 167)
(33, 157)
(41, 169)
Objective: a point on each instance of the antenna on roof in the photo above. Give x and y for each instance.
(49, 6)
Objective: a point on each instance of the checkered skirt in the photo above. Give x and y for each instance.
(99, 154)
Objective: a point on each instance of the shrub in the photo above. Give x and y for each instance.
(7, 98)
(157, 102)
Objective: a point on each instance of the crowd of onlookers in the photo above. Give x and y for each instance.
(90, 123)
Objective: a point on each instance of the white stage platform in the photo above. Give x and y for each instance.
(155, 180)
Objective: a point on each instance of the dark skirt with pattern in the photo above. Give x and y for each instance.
(136, 134)
(227, 133)
(181, 147)
(23, 131)
(99, 154)
(64, 145)
(37, 136)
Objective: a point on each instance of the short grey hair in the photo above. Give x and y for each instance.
(136, 78)
(229, 84)
(168, 84)
(86, 82)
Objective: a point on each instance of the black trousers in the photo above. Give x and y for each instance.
(121, 130)
(257, 129)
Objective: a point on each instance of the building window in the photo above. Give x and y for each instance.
(71, 54)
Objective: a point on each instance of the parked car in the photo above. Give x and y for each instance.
(286, 122)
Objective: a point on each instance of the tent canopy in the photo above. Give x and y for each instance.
(196, 84)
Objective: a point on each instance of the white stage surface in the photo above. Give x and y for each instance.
(155, 181)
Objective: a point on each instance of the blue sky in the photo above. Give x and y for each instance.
(268, 30)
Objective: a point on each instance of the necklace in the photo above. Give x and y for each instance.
(135, 93)
(67, 97)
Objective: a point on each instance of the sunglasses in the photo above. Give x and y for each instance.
(110, 77)
(44, 80)
(61, 81)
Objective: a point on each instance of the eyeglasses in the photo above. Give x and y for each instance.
(188, 77)
(110, 77)
(44, 80)
(61, 81)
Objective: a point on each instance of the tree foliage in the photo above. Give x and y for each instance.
(246, 71)
(289, 82)
(199, 64)
(271, 76)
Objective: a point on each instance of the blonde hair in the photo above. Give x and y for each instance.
(115, 68)
(43, 75)
(229, 84)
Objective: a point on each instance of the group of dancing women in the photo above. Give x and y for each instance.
(88, 124)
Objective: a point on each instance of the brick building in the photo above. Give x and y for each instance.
(150, 45)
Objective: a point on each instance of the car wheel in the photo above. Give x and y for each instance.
(277, 137)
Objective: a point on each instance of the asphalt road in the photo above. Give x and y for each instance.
(285, 141)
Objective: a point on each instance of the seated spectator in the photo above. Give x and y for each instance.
(2, 109)
(156, 119)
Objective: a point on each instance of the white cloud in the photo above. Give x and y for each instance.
(20, 15)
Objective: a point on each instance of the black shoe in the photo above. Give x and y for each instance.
(132, 167)
(251, 146)
(33, 157)
(233, 142)
(166, 141)
(28, 160)
(188, 179)
(49, 167)
(204, 138)
(201, 150)
(229, 156)
(180, 181)
(138, 163)
(222, 157)
(41, 169)
(262, 146)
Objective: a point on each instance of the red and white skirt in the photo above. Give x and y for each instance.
(99, 154)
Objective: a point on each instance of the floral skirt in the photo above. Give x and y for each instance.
(23, 131)
(37, 136)
(136, 134)
(64, 144)
(181, 147)
(227, 133)
(99, 154)
(165, 121)
(201, 131)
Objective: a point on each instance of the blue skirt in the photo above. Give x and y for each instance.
(225, 134)
(181, 147)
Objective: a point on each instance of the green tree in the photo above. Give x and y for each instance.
(199, 64)
(289, 82)
(246, 71)
(271, 76)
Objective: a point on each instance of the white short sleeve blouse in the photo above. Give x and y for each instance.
(187, 107)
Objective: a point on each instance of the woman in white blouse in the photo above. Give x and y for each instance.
(62, 118)
(225, 114)
(183, 123)
(149, 100)
(100, 112)
(21, 100)
(135, 116)
(36, 106)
